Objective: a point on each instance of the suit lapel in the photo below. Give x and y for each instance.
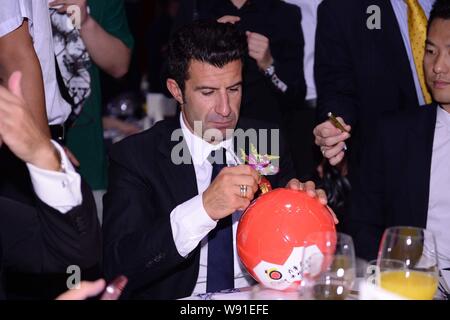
(420, 149)
(180, 178)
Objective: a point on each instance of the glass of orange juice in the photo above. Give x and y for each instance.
(416, 275)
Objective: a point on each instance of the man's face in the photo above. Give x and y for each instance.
(212, 96)
(437, 61)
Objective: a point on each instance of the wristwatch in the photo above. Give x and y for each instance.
(270, 71)
(277, 82)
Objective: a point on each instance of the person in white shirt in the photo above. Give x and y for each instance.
(166, 208)
(48, 221)
(26, 45)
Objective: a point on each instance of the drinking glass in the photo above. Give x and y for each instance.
(329, 270)
(415, 274)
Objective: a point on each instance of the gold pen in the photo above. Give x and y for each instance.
(335, 122)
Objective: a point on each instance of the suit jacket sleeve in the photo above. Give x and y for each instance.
(336, 87)
(138, 240)
(288, 53)
(38, 239)
(366, 219)
(286, 166)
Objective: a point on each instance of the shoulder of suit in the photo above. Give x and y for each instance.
(247, 123)
(147, 139)
(403, 119)
(285, 6)
(346, 11)
(342, 4)
(411, 113)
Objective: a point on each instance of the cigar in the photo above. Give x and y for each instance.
(338, 125)
(335, 122)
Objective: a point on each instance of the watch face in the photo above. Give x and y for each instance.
(270, 71)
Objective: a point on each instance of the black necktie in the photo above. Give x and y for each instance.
(220, 270)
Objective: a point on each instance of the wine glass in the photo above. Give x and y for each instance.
(417, 276)
(328, 271)
(375, 267)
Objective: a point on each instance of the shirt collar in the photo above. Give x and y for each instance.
(442, 118)
(199, 148)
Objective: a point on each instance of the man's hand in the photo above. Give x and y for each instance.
(311, 190)
(19, 131)
(258, 49)
(63, 6)
(258, 45)
(229, 19)
(222, 197)
(87, 290)
(331, 140)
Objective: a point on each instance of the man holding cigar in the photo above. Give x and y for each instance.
(368, 62)
(378, 70)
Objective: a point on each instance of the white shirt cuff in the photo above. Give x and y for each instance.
(59, 190)
(190, 224)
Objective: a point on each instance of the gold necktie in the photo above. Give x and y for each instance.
(417, 25)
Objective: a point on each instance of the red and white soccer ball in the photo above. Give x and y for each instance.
(272, 232)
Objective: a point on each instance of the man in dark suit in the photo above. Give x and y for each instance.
(48, 220)
(172, 206)
(406, 171)
(365, 66)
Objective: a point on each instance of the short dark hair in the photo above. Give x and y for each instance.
(441, 10)
(205, 41)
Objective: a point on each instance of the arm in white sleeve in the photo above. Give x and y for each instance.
(59, 190)
(190, 224)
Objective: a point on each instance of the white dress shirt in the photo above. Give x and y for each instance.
(12, 14)
(309, 23)
(190, 221)
(438, 220)
(59, 190)
(401, 12)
